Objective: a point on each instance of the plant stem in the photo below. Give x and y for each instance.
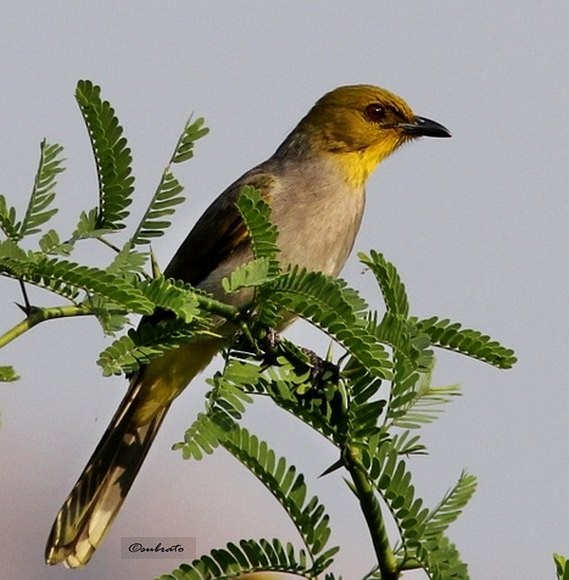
(372, 513)
(38, 315)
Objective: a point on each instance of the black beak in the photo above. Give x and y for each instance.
(422, 127)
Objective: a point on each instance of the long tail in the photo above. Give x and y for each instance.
(97, 497)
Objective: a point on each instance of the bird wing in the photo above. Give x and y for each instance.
(219, 233)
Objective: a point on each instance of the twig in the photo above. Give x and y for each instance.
(37, 315)
(372, 513)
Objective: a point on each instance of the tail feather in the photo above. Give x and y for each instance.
(96, 498)
(93, 503)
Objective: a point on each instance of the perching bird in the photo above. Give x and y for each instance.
(315, 185)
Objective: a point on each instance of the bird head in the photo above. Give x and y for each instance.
(360, 125)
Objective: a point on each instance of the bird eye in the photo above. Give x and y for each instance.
(375, 112)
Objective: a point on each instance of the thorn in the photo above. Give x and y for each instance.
(27, 308)
(336, 465)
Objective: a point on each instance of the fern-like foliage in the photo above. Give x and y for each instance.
(451, 506)
(418, 402)
(69, 279)
(10, 255)
(174, 296)
(112, 155)
(389, 473)
(193, 131)
(51, 244)
(451, 335)
(8, 220)
(167, 196)
(250, 275)
(365, 408)
(162, 206)
(439, 557)
(205, 434)
(561, 567)
(392, 288)
(324, 302)
(39, 211)
(129, 263)
(248, 556)
(149, 341)
(256, 214)
(421, 530)
(289, 487)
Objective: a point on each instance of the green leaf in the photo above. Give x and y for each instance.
(8, 222)
(416, 402)
(112, 155)
(149, 341)
(8, 374)
(50, 243)
(389, 474)
(390, 283)
(68, 279)
(470, 342)
(10, 249)
(43, 192)
(248, 557)
(162, 205)
(451, 506)
(256, 214)
(192, 132)
(407, 444)
(128, 263)
(441, 560)
(288, 487)
(249, 275)
(87, 225)
(561, 567)
(205, 434)
(173, 295)
(324, 302)
(111, 316)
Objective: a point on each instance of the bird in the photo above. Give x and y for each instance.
(314, 184)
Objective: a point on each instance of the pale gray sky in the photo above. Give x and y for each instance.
(477, 226)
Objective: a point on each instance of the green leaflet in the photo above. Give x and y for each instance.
(39, 210)
(452, 336)
(285, 484)
(254, 273)
(561, 567)
(43, 192)
(390, 284)
(451, 506)
(8, 374)
(324, 302)
(8, 221)
(138, 347)
(256, 214)
(112, 155)
(245, 557)
(193, 131)
(162, 206)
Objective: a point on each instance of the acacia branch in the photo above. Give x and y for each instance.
(38, 315)
(372, 513)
